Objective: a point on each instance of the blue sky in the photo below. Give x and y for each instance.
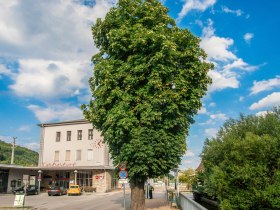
(46, 47)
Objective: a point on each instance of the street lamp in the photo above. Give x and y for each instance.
(177, 182)
(39, 180)
(75, 172)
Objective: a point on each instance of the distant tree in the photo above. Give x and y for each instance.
(187, 177)
(23, 156)
(149, 77)
(242, 164)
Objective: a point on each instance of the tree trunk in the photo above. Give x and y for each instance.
(137, 195)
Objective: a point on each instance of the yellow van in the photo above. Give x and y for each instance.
(74, 190)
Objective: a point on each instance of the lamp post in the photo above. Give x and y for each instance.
(39, 181)
(75, 173)
(177, 182)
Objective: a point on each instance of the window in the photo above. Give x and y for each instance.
(58, 136)
(67, 155)
(56, 156)
(13, 183)
(79, 134)
(89, 154)
(79, 154)
(68, 135)
(90, 134)
(98, 155)
(85, 178)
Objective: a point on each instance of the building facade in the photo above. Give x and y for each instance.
(13, 176)
(73, 152)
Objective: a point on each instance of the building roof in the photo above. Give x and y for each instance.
(200, 167)
(7, 166)
(72, 122)
(76, 168)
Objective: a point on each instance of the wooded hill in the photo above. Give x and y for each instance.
(23, 156)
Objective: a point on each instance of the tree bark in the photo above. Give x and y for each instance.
(137, 195)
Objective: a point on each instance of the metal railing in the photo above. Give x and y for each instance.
(187, 203)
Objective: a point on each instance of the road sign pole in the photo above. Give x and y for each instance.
(124, 196)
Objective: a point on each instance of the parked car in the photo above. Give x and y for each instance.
(30, 190)
(56, 190)
(74, 190)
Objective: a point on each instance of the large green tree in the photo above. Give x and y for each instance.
(242, 164)
(149, 77)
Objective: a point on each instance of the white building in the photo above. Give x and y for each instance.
(12, 176)
(73, 152)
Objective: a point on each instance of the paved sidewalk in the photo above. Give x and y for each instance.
(159, 201)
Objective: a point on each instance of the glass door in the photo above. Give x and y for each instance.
(4, 174)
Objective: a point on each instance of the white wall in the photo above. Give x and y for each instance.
(16, 174)
(50, 145)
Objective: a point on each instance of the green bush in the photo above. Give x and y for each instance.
(89, 189)
(242, 164)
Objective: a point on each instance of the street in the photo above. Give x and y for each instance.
(104, 201)
(92, 201)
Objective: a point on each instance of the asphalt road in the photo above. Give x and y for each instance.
(98, 201)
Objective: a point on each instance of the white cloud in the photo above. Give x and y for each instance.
(268, 101)
(51, 41)
(241, 98)
(212, 104)
(7, 139)
(241, 65)
(32, 146)
(221, 80)
(56, 112)
(190, 162)
(217, 48)
(262, 113)
(208, 122)
(265, 85)
(211, 132)
(226, 63)
(214, 118)
(62, 29)
(200, 5)
(46, 79)
(202, 110)
(248, 36)
(189, 153)
(21, 142)
(24, 128)
(218, 116)
(236, 12)
(6, 72)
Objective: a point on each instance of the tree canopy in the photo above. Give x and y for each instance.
(187, 176)
(242, 164)
(149, 77)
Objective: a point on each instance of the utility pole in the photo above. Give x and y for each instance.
(13, 150)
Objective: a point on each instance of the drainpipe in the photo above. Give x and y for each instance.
(105, 177)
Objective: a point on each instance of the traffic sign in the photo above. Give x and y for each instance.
(122, 181)
(123, 174)
(122, 166)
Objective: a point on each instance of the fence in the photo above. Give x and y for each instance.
(188, 203)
